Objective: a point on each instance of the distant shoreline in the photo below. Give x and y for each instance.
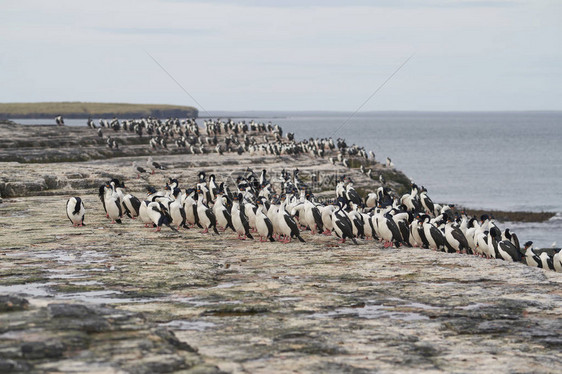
(77, 110)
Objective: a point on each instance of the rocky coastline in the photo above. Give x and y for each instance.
(122, 298)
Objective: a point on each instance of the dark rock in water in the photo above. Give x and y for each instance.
(12, 303)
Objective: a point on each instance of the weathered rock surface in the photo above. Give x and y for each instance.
(107, 298)
(63, 337)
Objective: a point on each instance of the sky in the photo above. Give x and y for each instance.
(466, 55)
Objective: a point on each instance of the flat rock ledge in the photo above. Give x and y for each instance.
(71, 337)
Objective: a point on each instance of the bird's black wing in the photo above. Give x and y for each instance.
(510, 249)
(101, 195)
(135, 202)
(77, 206)
(459, 236)
(228, 218)
(318, 219)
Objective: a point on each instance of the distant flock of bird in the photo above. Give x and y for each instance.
(228, 136)
(280, 210)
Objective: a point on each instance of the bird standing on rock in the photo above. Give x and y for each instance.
(138, 170)
(153, 165)
(75, 211)
(59, 120)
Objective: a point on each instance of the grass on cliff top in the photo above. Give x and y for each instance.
(15, 110)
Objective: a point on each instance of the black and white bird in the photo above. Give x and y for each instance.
(387, 228)
(433, 235)
(75, 211)
(132, 206)
(264, 226)
(352, 194)
(531, 257)
(138, 170)
(239, 219)
(426, 202)
(557, 262)
(207, 218)
(59, 120)
(286, 224)
(112, 143)
(224, 219)
(455, 240)
(112, 203)
(190, 206)
(507, 235)
(389, 163)
(342, 226)
(153, 165)
(176, 209)
(159, 215)
(504, 249)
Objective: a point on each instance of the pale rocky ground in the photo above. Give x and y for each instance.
(147, 301)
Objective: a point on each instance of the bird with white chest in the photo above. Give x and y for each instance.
(206, 216)
(264, 226)
(176, 209)
(112, 203)
(239, 219)
(224, 219)
(75, 211)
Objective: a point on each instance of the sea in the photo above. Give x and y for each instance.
(482, 160)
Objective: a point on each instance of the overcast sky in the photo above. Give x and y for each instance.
(285, 55)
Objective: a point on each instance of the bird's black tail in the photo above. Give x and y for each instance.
(300, 238)
(271, 239)
(118, 221)
(215, 230)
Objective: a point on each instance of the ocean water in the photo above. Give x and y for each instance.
(487, 160)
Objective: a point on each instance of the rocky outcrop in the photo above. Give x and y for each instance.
(69, 337)
(123, 298)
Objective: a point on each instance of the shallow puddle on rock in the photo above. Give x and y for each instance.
(61, 274)
(32, 289)
(189, 325)
(416, 305)
(227, 285)
(371, 312)
(76, 257)
(474, 306)
(202, 302)
(96, 297)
